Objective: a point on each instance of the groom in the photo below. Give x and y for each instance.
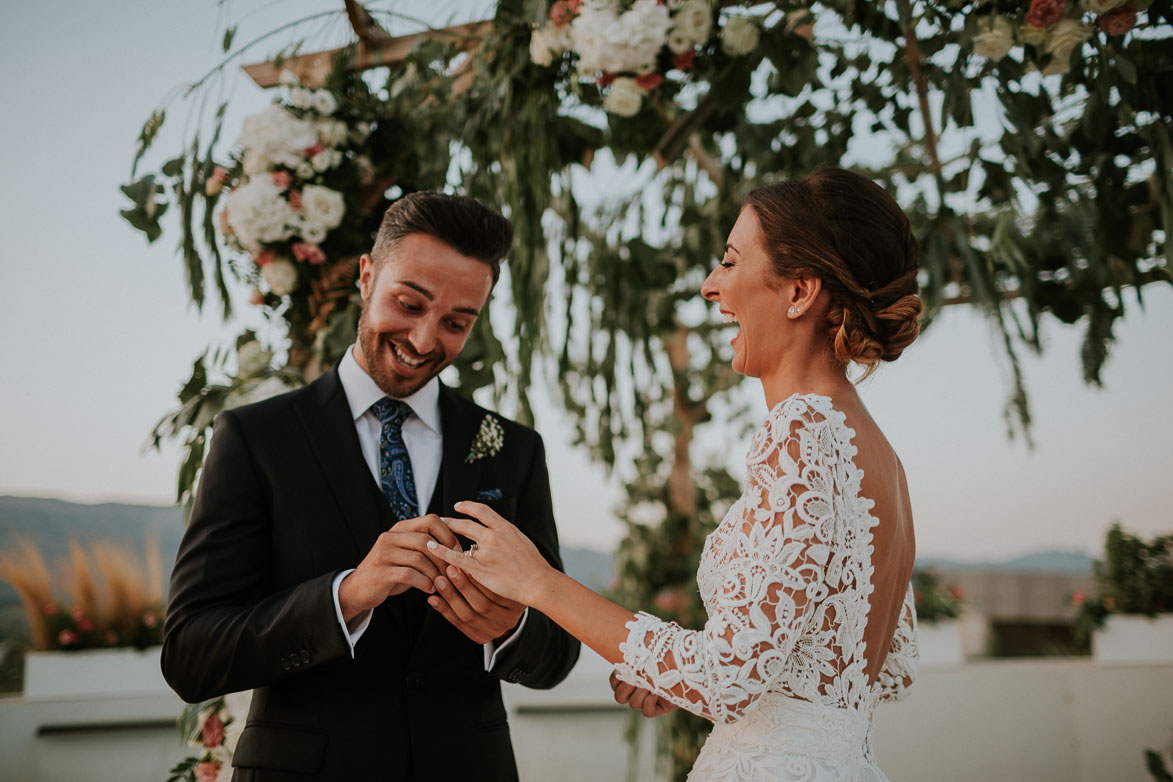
(304, 573)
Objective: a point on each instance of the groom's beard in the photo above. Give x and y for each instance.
(376, 350)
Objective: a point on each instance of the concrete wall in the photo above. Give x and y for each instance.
(1047, 720)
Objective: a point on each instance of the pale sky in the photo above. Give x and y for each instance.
(98, 334)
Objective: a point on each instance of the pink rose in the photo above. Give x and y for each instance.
(304, 251)
(560, 14)
(1119, 20)
(315, 149)
(283, 179)
(85, 625)
(66, 637)
(605, 80)
(1044, 13)
(216, 181)
(649, 81)
(684, 60)
(295, 200)
(212, 733)
(264, 257)
(207, 772)
(77, 613)
(150, 619)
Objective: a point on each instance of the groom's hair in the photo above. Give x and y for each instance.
(465, 225)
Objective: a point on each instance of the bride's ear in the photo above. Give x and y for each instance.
(803, 295)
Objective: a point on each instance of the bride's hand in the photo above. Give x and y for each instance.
(504, 559)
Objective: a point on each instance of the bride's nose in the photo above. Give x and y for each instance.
(710, 290)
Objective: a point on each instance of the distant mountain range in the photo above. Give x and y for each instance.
(51, 524)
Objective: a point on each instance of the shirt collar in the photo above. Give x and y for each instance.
(362, 392)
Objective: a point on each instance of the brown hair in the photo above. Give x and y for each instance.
(845, 230)
(465, 225)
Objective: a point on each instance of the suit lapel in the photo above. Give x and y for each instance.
(459, 420)
(325, 414)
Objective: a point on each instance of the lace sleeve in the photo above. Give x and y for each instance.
(765, 587)
(900, 666)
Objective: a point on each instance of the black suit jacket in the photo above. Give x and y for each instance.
(284, 504)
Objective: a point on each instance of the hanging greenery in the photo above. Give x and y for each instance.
(1030, 143)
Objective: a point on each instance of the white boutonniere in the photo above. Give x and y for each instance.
(488, 441)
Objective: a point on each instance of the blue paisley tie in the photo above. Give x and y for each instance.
(395, 476)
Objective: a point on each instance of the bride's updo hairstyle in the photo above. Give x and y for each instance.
(845, 230)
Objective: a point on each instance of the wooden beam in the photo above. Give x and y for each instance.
(312, 69)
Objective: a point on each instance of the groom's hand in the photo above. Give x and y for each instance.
(639, 699)
(474, 610)
(399, 560)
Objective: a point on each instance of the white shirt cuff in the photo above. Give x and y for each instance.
(360, 622)
(492, 649)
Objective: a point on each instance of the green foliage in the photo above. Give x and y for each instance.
(1156, 765)
(935, 602)
(1134, 577)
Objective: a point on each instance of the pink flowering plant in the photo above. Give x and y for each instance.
(212, 728)
(935, 601)
(1051, 34)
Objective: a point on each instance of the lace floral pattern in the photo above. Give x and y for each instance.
(785, 579)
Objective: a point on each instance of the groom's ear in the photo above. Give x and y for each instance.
(366, 276)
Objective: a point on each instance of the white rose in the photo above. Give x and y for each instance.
(332, 132)
(301, 98)
(276, 135)
(995, 38)
(678, 42)
(251, 358)
(281, 276)
(288, 79)
(322, 205)
(304, 170)
(694, 20)
(360, 133)
(314, 233)
(740, 36)
(624, 98)
(675, 5)
(1099, 6)
(541, 46)
(258, 212)
(1065, 37)
(322, 161)
(619, 44)
(324, 103)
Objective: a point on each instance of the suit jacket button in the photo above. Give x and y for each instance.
(305, 656)
(294, 660)
(285, 663)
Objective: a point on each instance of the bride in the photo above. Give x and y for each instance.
(806, 580)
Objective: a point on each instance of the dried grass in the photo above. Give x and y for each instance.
(29, 576)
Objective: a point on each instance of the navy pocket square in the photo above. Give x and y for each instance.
(488, 495)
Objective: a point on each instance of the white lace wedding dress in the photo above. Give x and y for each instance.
(785, 578)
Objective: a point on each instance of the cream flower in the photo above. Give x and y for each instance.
(547, 43)
(1065, 37)
(280, 276)
(313, 232)
(277, 136)
(258, 213)
(324, 102)
(995, 37)
(694, 21)
(251, 358)
(740, 36)
(322, 205)
(608, 42)
(301, 98)
(624, 98)
(1034, 36)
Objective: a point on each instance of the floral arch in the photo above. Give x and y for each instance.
(1030, 143)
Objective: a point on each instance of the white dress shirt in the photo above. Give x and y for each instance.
(425, 447)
